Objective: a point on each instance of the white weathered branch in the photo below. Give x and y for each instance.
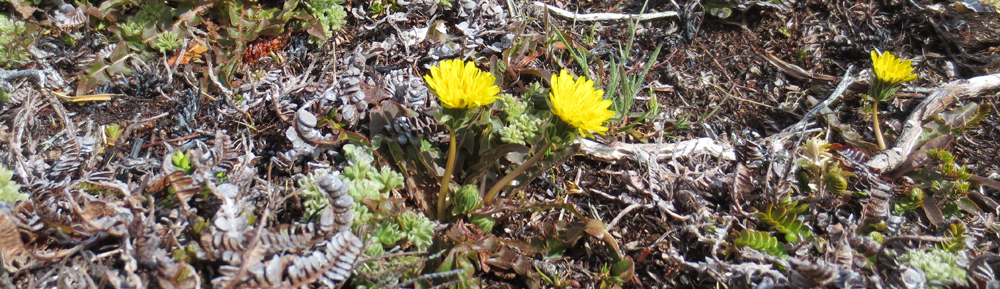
(639, 152)
(597, 17)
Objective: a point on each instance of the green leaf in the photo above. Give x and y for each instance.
(984, 111)
(9, 189)
(957, 233)
(387, 178)
(913, 199)
(389, 234)
(234, 10)
(107, 5)
(836, 182)
(785, 220)
(803, 179)
(761, 241)
(101, 71)
(182, 161)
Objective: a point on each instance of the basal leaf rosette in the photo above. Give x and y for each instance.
(579, 105)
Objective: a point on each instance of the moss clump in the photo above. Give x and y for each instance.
(522, 126)
(168, 41)
(330, 14)
(937, 264)
(416, 228)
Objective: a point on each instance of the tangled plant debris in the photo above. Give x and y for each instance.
(498, 144)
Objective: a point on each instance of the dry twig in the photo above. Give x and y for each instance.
(626, 151)
(604, 16)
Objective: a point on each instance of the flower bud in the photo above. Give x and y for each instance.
(484, 222)
(466, 200)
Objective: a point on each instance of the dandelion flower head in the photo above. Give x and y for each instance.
(891, 70)
(459, 84)
(579, 104)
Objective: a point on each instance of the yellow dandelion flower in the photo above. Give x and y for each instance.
(579, 104)
(892, 70)
(459, 84)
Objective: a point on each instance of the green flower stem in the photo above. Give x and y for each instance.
(517, 172)
(878, 129)
(446, 179)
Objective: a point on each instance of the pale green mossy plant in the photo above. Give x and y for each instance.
(151, 15)
(9, 189)
(466, 201)
(377, 216)
(368, 183)
(312, 197)
(330, 13)
(484, 222)
(167, 41)
(381, 220)
(942, 262)
(13, 43)
(888, 75)
(578, 109)
(937, 264)
(522, 126)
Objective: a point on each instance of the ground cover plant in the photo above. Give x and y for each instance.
(499, 144)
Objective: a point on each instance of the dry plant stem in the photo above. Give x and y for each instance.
(878, 128)
(446, 179)
(619, 152)
(492, 194)
(604, 16)
(628, 209)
